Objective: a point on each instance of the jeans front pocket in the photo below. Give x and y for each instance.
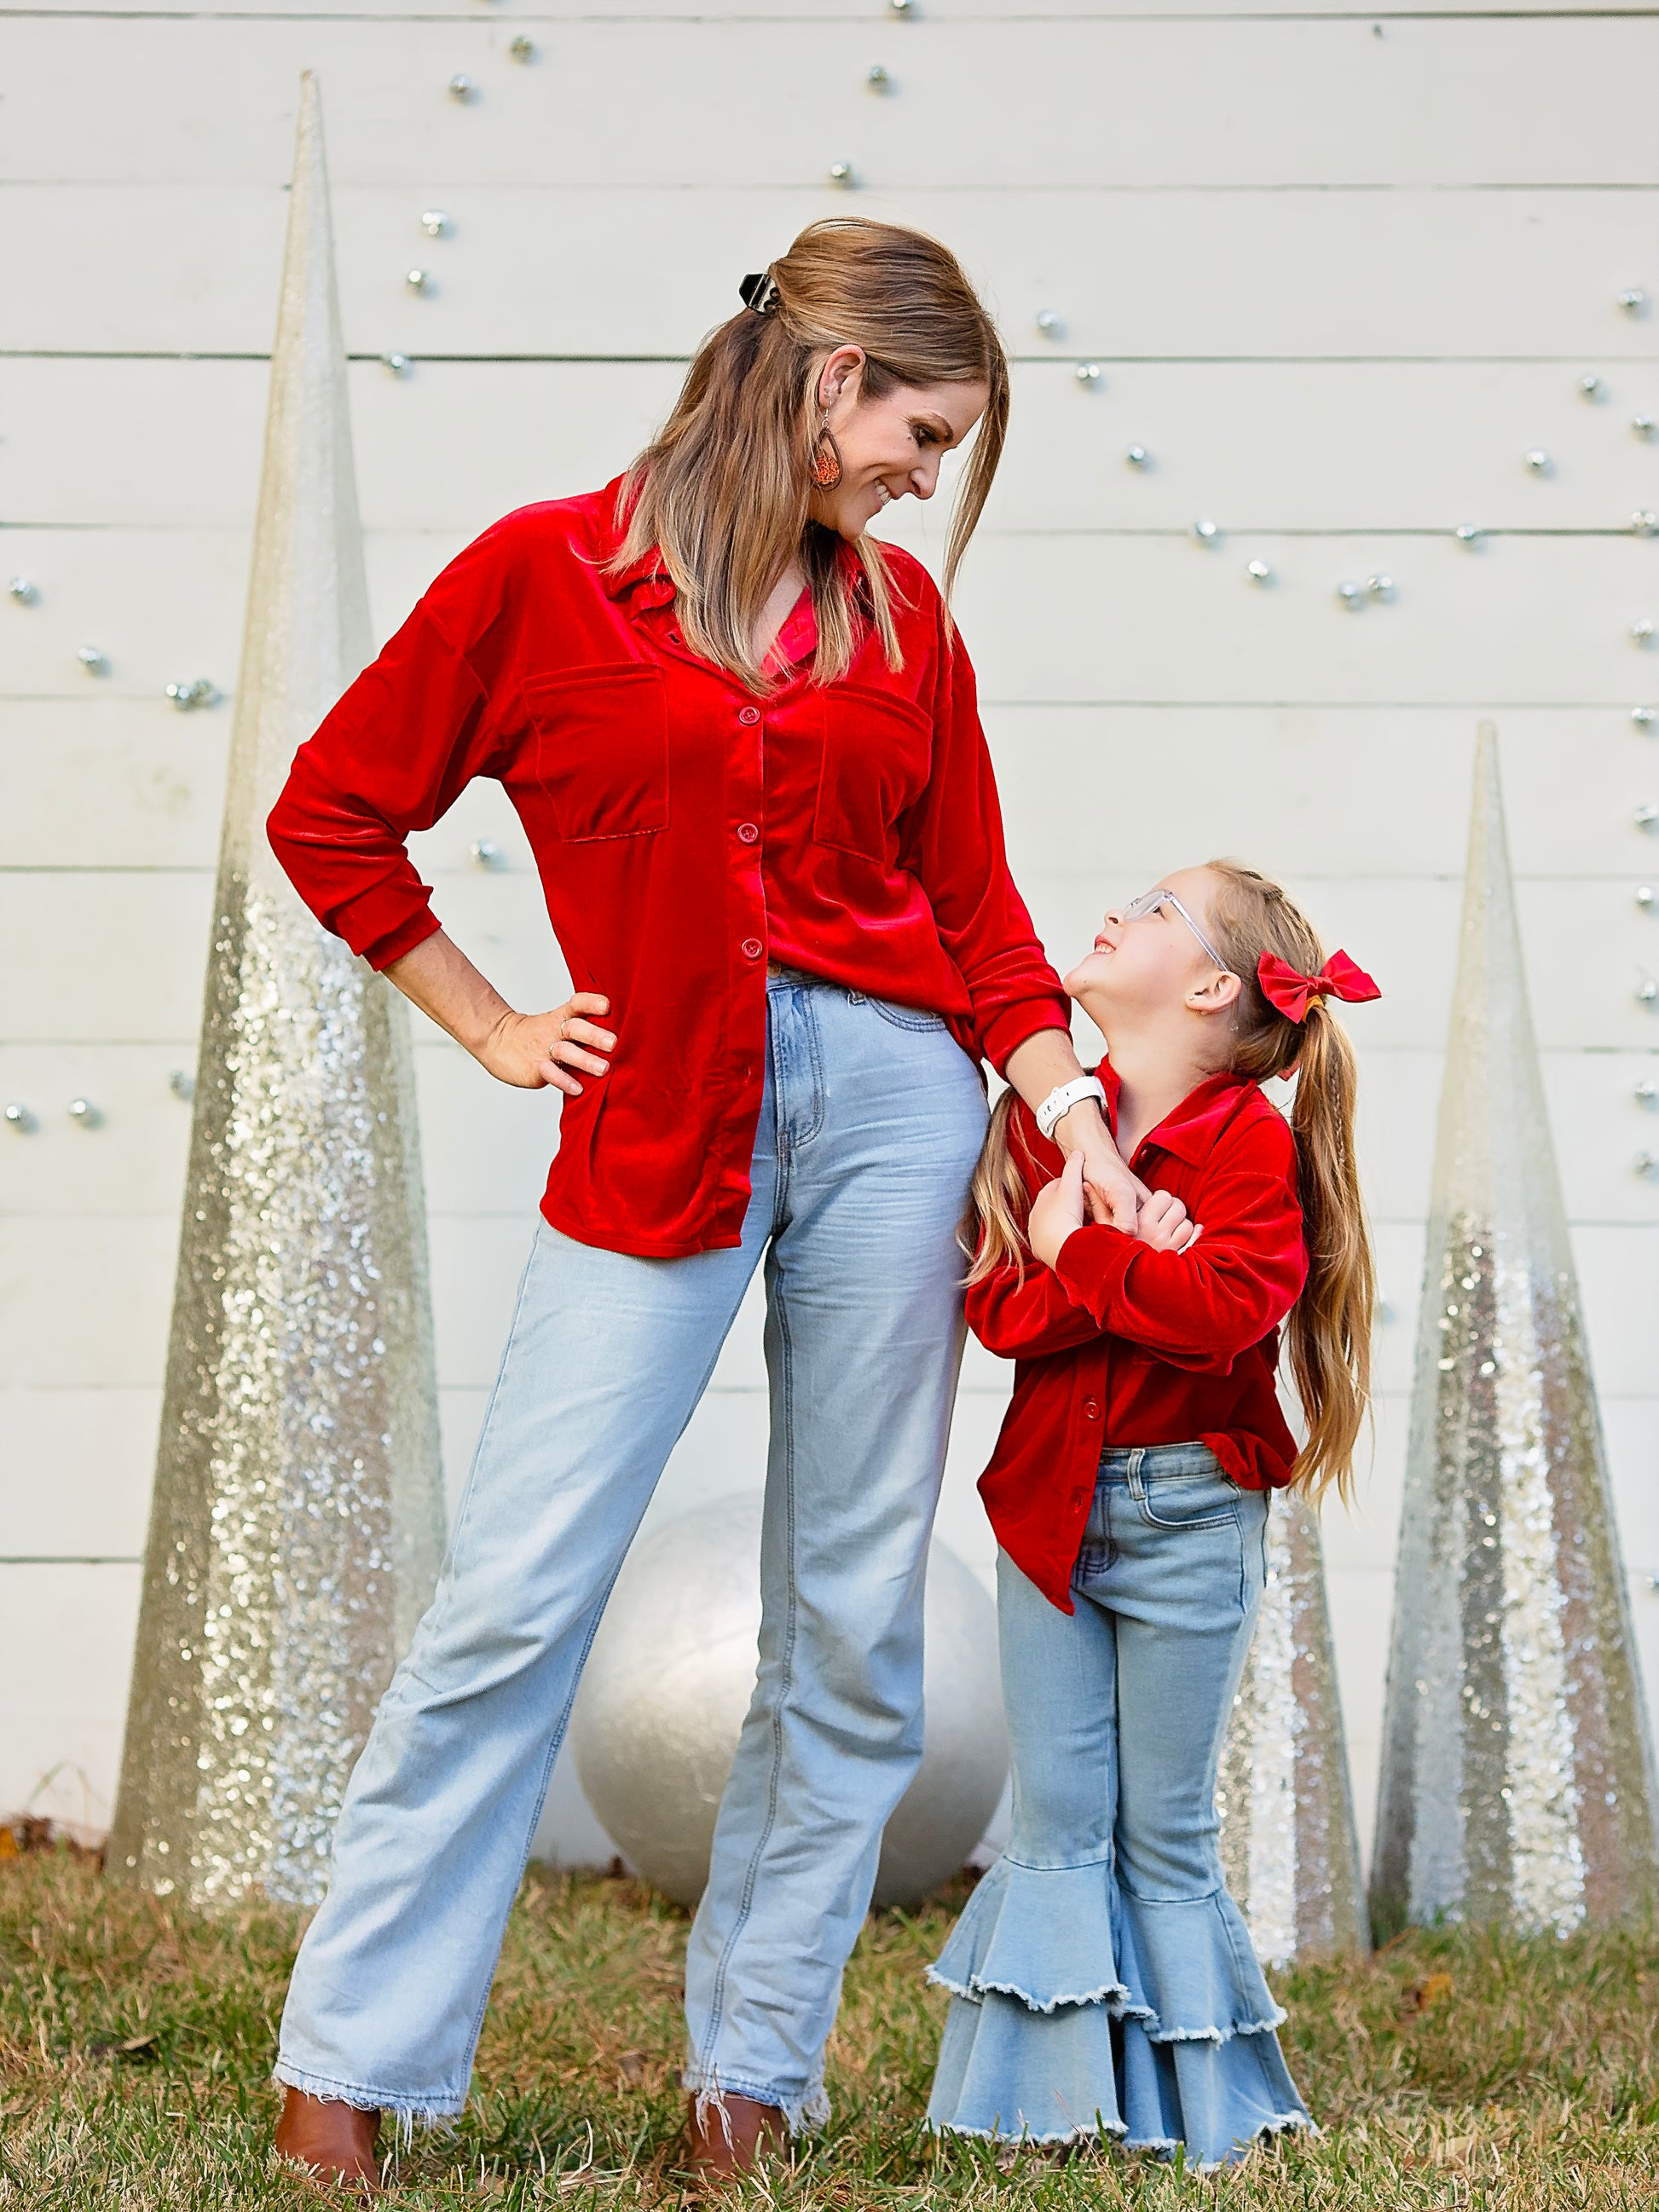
(1203, 1501)
(907, 1017)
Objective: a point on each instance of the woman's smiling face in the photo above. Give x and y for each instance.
(890, 446)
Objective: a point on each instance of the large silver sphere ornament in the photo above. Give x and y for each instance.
(670, 1678)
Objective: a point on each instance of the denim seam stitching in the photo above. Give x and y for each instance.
(717, 2003)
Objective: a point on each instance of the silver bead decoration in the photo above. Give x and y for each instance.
(434, 223)
(461, 87)
(1646, 1093)
(198, 692)
(1592, 387)
(1643, 1165)
(1205, 531)
(182, 1083)
(1644, 522)
(1138, 457)
(1645, 817)
(397, 363)
(1641, 631)
(1352, 597)
(1635, 301)
(901, 7)
(1515, 1783)
(297, 1516)
(1288, 1844)
(522, 48)
(1469, 533)
(1643, 425)
(92, 658)
(84, 1113)
(1259, 572)
(1643, 717)
(486, 852)
(1088, 374)
(1539, 462)
(841, 173)
(418, 280)
(878, 77)
(1379, 587)
(1050, 322)
(19, 1117)
(1644, 895)
(1647, 991)
(23, 591)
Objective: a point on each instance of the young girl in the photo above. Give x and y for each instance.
(1103, 1978)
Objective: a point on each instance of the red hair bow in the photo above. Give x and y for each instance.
(1293, 992)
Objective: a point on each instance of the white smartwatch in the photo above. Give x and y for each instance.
(1061, 1099)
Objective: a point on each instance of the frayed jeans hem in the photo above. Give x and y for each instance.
(431, 2110)
(801, 2109)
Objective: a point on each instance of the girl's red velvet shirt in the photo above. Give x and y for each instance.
(1118, 1345)
(686, 833)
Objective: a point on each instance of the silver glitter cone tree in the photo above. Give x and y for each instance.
(1517, 1782)
(297, 1522)
(1288, 1842)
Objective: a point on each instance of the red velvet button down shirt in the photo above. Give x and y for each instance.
(686, 833)
(1118, 1345)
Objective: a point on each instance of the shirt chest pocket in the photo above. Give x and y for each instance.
(877, 752)
(600, 749)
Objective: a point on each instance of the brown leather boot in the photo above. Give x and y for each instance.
(335, 2140)
(720, 2153)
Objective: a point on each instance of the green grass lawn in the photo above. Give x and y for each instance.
(136, 2042)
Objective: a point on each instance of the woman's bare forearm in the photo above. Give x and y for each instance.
(438, 977)
(528, 1050)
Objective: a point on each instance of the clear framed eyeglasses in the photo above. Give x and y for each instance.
(1149, 903)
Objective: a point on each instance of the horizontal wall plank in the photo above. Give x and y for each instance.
(1202, 274)
(1123, 618)
(732, 104)
(1272, 445)
(79, 1464)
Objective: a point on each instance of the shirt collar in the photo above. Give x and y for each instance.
(1189, 1132)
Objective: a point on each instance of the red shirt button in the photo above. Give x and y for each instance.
(1092, 1408)
(747, 714)
(748, 834)
(752, 948)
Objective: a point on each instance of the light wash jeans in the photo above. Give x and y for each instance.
(872, 1120)
(1103, 1979)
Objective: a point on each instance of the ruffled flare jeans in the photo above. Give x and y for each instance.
(1102, 1980)
(872, 1121)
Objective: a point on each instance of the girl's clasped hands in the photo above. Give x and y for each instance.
(1162, 1222)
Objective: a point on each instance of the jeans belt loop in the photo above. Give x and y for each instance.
(1137, 1486)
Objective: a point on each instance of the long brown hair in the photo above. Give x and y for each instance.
(1327, 1335)
(723, 491)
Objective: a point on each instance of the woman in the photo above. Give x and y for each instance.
(744, 745)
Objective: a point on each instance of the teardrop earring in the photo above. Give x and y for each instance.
(826, 458)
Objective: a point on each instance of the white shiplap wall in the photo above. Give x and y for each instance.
(1341, 270)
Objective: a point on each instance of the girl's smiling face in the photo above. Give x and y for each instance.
(1151, 964)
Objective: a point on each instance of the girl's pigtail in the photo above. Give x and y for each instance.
(993, 1230)
(1328, 1335)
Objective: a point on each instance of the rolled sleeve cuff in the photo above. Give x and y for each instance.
(382, 924)
(1091, 1265)
(1004, 1033)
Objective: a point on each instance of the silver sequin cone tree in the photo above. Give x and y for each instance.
(1517, 1782)
(296, 1522)
(1288, 1842)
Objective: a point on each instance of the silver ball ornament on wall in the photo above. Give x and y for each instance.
(461, 87)
(1633, 302)
(1643, 717)
(1641, 632)
(1259, 572)
(1644, 895)
(1645, 817)
(1205, 531)
(1089, 375)
(1350, 597)
(186, 697)
(1538, 462)
(841, 173)
(84, 1113)
(1469, 533)
(522, 49)
(1138, 457)
(486, 852)
(1050, 323)
(1380, 588)
(1642, 425)
(396, 363)
(434, 223)
(878, 77)
(670, 1679)
(182, 1083)
(418, 280)
(1592, 387)
(19, 1117)
(92, 658)
(23, 591)
(1644, 522)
